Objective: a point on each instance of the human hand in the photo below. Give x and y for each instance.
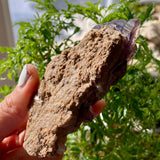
(14, 115)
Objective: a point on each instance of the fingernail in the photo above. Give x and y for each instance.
(21, 137)
(23, 76)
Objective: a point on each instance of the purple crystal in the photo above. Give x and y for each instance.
(129, 29)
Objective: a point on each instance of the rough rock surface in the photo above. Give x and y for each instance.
(73, 81)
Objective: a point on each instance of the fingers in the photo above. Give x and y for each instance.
(11, 142)
(13, 110)
(20, 154)
(98, 107)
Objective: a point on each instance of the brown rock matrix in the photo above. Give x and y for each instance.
(73, 81)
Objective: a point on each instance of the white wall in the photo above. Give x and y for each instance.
(6, 34)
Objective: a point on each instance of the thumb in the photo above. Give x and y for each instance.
(13, 109)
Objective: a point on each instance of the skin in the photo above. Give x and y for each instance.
(14, 114)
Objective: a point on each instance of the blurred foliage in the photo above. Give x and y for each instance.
(127, 128)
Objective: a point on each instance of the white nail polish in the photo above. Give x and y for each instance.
(23, 76)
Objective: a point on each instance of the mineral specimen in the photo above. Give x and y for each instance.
(75, 80)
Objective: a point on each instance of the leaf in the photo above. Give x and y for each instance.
(147, 14)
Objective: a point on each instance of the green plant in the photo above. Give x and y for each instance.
(126, 129)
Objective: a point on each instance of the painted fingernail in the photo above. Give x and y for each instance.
(23, 76)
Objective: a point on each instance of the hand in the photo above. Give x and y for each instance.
(14, 115)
